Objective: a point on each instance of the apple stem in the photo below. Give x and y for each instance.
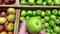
(23, 28)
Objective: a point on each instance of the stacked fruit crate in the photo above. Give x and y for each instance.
(40, 15)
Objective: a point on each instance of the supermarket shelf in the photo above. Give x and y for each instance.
(28, 6)
(38, 6)
(7, 5)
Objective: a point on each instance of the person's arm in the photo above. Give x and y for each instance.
(23, 28)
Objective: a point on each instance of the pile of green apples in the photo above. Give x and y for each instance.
(7, 19)
(40, 2)
(50, 19)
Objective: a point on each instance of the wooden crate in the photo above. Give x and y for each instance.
(33, 8)
(16, 21)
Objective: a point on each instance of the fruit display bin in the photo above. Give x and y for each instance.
(39, 3)
(18, 4)
(15, 23)
(5, 3)
(52, 14)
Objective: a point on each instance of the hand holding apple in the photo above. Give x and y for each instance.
(23, 28)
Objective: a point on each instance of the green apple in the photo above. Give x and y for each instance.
(49, 2)
(48, 33)
(23, 2)
(3, 20)
(48, 30)
(59, 12)
(52, 3)
(47, 18)
(51, 30)
(42, 13)
(57, 21)
(27, 17)
(21, 18)
(39, 2)
(38, 12)
(11, 18)
(11, 11)
(34, 25)
(44, 3)
(43, 21)
(48, 12)
(9, 27)
(29, 12)
(34, 13)
(39, 17)
(46, 25)
(53, 17)
(57, 2)
(56, 29)
(52, 23)
(59, 17)
(54, 12)
(23, 13)
(54, 33)
(31, 2)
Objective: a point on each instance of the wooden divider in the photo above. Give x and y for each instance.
(17, 21)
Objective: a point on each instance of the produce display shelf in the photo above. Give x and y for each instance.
(16, 20)
(17, 4)
(18, 7)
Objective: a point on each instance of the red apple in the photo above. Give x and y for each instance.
(3, 32)
(9, 27)
(1, 28)
(3, 14)
(13, 32)
(6, 1)
(1, 1)
(12, 0)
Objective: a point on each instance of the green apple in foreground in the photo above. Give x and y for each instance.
(9, 26)
(34, 25)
